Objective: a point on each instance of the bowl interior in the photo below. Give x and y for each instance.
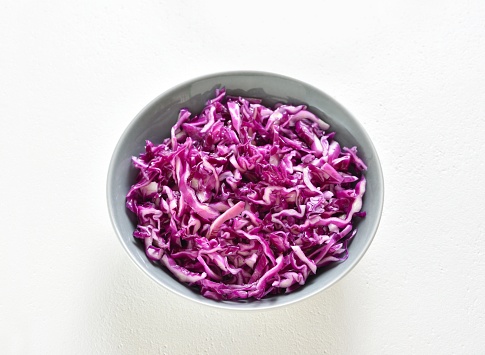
(154, 123)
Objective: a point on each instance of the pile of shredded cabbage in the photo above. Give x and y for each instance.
(244, 200)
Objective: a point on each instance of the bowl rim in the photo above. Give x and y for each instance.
(228, 304)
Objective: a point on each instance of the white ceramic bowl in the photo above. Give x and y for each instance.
(154, 123)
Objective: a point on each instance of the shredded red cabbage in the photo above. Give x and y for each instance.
(244, 200)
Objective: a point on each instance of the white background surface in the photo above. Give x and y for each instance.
(72, 76)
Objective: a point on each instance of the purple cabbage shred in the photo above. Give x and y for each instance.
(244, 201)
